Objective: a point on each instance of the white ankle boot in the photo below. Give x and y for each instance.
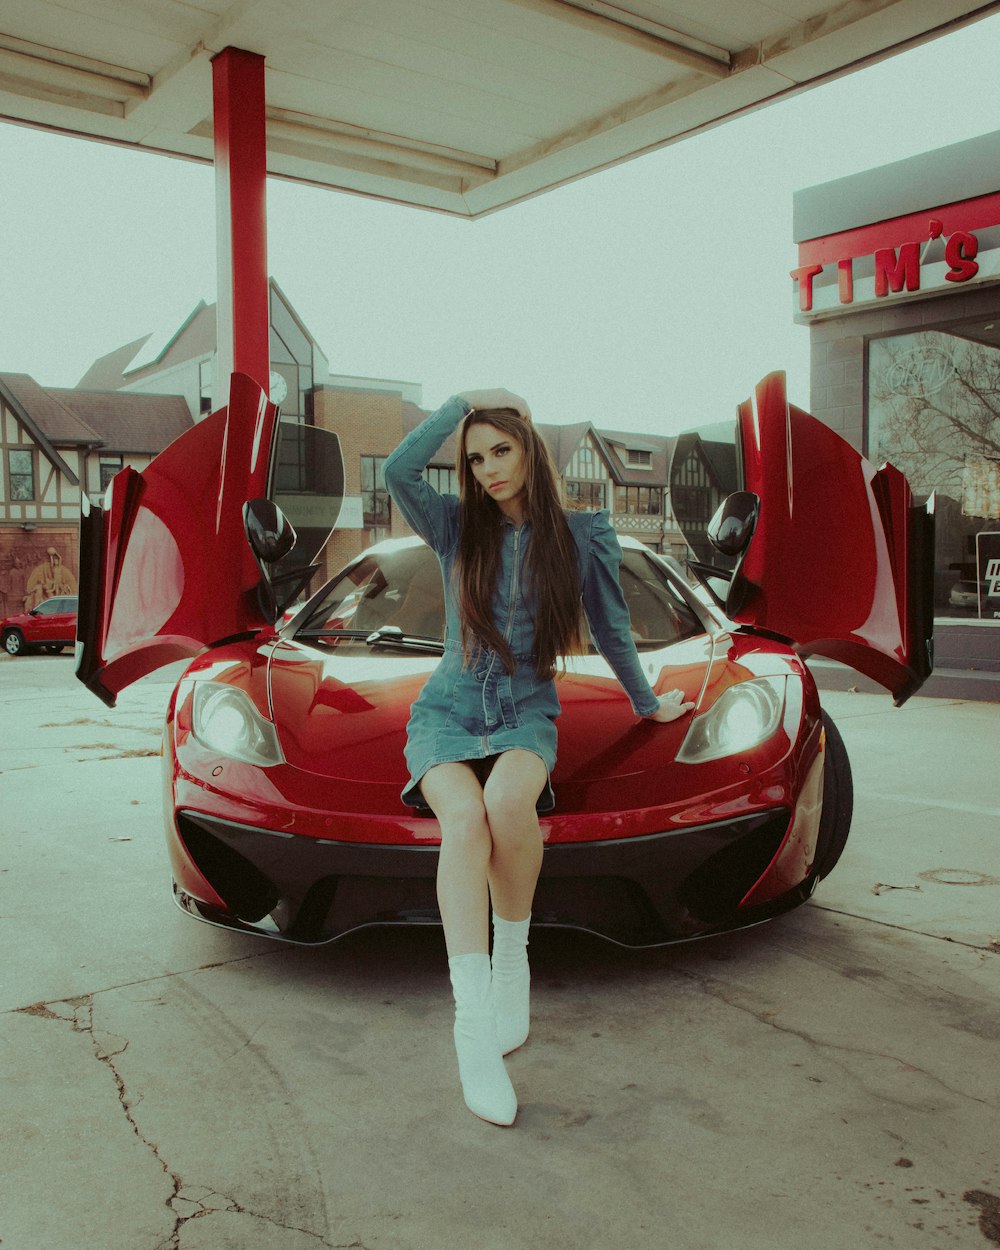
(511, 981)
(485, 1083)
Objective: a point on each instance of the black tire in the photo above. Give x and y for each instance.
(838, 802)
(54, 648)
(13, 642)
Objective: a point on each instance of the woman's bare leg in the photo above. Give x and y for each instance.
(509, 795)
(455, 796)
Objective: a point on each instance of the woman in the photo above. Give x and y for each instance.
(481, 741)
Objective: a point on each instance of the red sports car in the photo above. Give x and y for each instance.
(284, 742)
(51, 626)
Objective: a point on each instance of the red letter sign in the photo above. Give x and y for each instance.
(959, 252)
(891, 273)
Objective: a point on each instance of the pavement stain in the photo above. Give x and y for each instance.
(117, 753)
(154, 731)
(989, 1212)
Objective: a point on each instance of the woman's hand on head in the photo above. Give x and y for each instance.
(672, 706)
(496, 399)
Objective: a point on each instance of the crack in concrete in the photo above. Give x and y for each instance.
(80, 1018)
(763, 1017)
(44, 1009)
(989, 948)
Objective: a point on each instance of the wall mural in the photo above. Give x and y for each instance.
(35, 567)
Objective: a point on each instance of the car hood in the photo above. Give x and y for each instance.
(344, 718)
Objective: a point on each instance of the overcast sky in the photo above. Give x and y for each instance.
(648, 297)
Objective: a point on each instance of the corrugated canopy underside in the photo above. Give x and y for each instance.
(463, 106)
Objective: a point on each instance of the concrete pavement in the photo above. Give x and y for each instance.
(828, 1080)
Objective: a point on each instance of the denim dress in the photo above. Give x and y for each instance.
(478, 711)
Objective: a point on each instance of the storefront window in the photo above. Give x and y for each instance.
(934, 413)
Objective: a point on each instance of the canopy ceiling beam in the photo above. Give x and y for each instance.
(615, 23)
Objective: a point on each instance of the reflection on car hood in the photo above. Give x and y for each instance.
(344, 717)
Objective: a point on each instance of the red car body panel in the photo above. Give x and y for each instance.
(315, 840)
(609, 775)
(834, 557)
(615, 792)
(170, 569)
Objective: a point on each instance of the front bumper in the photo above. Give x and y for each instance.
(639, 891)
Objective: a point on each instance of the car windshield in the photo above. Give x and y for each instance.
(403, 589)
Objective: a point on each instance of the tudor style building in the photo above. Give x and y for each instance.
(57, 443)
(54, 445)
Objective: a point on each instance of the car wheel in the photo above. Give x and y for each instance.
(13, 643)
(838, 802)
(53, 648)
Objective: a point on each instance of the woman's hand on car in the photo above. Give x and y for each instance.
(496, 399)
(672, 706)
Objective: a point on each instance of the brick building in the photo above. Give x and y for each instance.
(134, 400)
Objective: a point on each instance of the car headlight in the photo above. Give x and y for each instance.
(742, 717)
(225, 720)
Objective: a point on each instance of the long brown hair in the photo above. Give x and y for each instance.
(551, 568)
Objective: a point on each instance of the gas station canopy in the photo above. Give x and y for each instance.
(463, 106)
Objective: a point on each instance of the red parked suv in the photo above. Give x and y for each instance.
(48, 627)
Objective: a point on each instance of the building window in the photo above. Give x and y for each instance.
(442, 478)
(639, 500)
(636, 458)
(585, 463)
(693, 497)
(934, 413)
(585, 494)
(110, 465)
(375, 501)
(21, 474)
(205, 372)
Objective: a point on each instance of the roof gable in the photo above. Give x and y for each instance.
(128, 421)
(44, 418)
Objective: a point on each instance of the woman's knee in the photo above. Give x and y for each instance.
(459, 808)
(510, 809)
(464, 819)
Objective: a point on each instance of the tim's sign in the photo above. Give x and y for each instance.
(892, 271)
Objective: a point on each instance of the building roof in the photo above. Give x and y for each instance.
(929, 180)
(196, 335)
(153, 353)
(46, 411)
(112, 421)
(107, 372)
(660, 447)
(128, 421)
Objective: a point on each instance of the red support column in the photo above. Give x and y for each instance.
(241, 218)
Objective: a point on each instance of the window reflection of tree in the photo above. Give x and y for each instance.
(934, 399)
(934, 413)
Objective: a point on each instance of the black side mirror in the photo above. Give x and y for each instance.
(269, 532)
(732, 527)
(271, 537)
